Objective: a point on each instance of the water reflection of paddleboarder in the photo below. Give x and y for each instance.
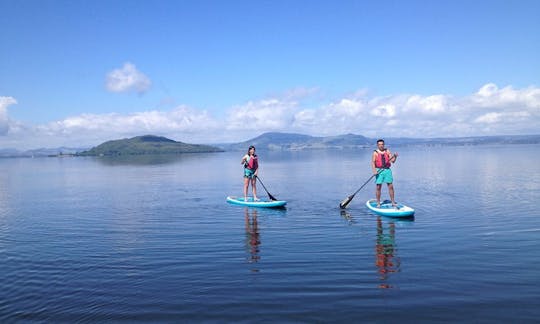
(386, 260)
(253, 239)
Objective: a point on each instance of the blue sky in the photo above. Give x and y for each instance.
(81, 72)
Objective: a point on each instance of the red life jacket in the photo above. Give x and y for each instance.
(382, 160)
(253, 163)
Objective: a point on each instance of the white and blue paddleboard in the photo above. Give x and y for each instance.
(259, 203)
(386, 209)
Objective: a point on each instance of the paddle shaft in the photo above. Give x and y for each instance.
(269, 194)
(365, 183)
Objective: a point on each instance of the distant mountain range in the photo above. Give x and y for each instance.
(150, 144)
(291, 141)
(59, 151)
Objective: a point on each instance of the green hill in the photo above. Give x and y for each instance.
(147, 144)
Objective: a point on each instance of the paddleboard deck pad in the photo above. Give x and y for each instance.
(386, 209)
(264, 203)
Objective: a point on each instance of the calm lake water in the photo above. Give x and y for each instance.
(153, 239)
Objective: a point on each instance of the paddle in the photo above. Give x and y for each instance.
(269, 194)
(345, 202)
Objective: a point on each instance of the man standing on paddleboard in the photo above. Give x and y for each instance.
(381, 162)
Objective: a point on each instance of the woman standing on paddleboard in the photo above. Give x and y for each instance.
(380, 163)
(251, 168)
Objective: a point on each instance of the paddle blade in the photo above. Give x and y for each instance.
(271, 196)
(345, 202)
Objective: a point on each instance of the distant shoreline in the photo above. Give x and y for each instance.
(297, 142)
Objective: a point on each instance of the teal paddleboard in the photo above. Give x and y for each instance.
(386, 209)
(264, 203)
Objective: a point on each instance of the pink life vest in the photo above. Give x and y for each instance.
(252, 163)
(382, 160)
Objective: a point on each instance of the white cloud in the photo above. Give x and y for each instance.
(5, 102)
(489, 111)
(387, 110)
(436, 104)
(182, 124)
(491, 96)
(180, 119)
(487, 90)
(265, 115)
(127, 79)
(333, 117)
(489, 118)
(507, 118)
(348, 107)
(505, 111)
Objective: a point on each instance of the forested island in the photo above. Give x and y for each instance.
(146, 145)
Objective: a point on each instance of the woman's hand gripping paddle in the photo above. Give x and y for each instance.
(269, 194)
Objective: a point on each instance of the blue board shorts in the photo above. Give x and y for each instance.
(384, 176)
(248, 173)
